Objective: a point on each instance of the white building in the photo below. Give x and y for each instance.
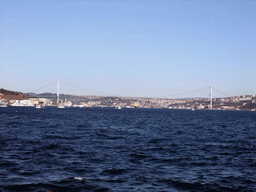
(200, 106)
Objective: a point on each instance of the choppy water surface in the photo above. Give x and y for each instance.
(126, 150)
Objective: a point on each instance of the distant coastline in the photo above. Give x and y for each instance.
(242, 102)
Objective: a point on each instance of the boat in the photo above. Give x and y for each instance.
(17, 105)
(119, 107)
(61, 106)
(130, 107)
(135, 105)
(3, 105)
(38, 106)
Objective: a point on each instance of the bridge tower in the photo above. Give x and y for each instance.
(210, 95)
(58, 92)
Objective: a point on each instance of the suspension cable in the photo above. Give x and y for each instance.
(44, 86)
(89, 89)
(220, 92)
(184, 92)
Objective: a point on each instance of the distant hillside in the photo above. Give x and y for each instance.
(9, 95)
(8, 92)
(52, 96)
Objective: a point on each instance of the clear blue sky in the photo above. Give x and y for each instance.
(145, 48)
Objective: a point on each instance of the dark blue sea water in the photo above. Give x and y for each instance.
(126, 150)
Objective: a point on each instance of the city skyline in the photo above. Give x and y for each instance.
(129, 48)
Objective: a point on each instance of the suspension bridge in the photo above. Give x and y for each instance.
(208, 94)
